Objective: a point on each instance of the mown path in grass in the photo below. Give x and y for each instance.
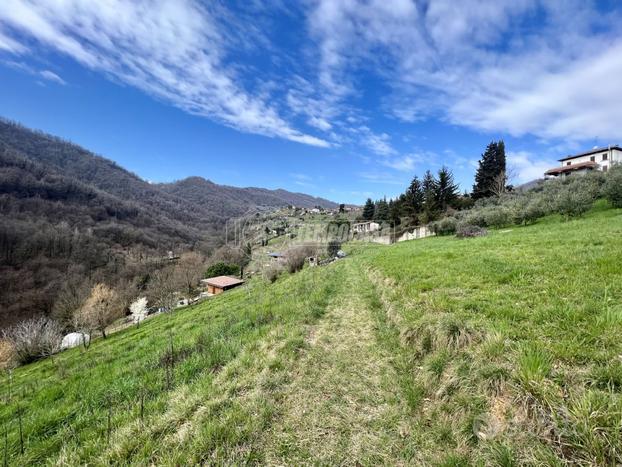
(343, 405)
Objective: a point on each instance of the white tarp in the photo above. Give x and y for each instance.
(74, 339)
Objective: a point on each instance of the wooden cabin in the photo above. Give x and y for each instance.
(217, 285)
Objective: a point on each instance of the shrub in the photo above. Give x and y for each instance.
(497, 217)
(474, 217)
(445, 226)
(272, 272)
(34, 339)
(295, 259)
(468, 230)
(573, 202)
(612, 189)
(332, 248)
(222, 268)
(530, 211)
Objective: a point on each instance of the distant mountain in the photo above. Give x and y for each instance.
(529, 185)
(228, 201)
(68, 215)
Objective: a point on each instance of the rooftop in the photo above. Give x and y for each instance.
(570, 168)
(223, 281)
(591, 151)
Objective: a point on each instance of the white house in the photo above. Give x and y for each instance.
(364, 227)
(595, 159)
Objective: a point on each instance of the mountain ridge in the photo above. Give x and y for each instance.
(70, 217)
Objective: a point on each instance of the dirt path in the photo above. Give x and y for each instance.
(342, 405)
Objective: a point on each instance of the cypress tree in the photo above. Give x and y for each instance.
(491, 167)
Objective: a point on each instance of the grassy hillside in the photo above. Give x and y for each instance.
(501, 350)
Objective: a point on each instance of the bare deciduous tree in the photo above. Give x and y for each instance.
(189, 269)
(502, 181)
(33, 339)
(295, 257)
(99, 310)
(163, 288)
(70, 298)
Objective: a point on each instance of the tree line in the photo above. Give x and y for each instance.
(430, 197)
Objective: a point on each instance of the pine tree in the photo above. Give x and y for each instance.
(413, 198)
(430, 208)
(490, 175)
(369, 210)
(394, 212)
(446, 189)
(382, 210)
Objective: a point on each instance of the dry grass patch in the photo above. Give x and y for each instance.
(342, 406)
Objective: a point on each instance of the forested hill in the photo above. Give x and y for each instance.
(228, 201)
(68, 216)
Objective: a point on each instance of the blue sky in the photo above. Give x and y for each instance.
(340, 99)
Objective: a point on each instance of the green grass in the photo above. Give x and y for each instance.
(499, 350)
(66, 400)
(522, 328)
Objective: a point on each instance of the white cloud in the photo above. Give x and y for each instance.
(535, 67)
(524, 67)
(527, 166)
(299, 176)
(51, 76)
(570, 102)
(9, 45)
(377, 143)
(319, 123)
(172, 50)
(404, 164)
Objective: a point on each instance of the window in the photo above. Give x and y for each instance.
(605, 157)
(604, 168)
(568, 163)
(593, 158)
